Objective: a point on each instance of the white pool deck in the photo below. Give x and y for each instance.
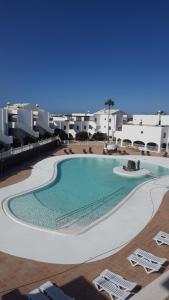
(102, 240)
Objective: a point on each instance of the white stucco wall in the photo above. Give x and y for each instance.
(3, 121)
(146, 134)
(25, 116)
(165, 120)
(43, 121)
(4, 138)
(146, 119)
(102, 123)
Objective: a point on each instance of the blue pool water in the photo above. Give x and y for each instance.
(84, 190)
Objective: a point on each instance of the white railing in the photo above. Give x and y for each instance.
(14, 151)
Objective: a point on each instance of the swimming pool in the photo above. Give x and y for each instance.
(84, 191)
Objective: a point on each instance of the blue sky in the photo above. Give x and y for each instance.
(71, 55)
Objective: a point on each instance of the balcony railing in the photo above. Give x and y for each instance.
(14, 151)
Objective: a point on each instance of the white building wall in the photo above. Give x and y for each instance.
(4, 138)
(23, 120)
(145, 134)
(43, 121)
(26, 117)
(146, 119)
(119, 120)
(165, 120)
(102, 123)
(3, 121)
(115, 121)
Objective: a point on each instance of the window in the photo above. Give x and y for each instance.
(64, 127)
(90, 127)
(95, 119)
(84, 127)
(141, 132)
(77, 127)
(105, 119)
(109, 120)
(164, 135)
(71, 126)
(109, 127)
(86, 118)
(78, 118)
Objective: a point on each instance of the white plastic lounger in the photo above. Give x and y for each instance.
(118, 280)
(55, 293)
(36, 295)
(114, 292)
(162, 238)
(164, 234)
(149, 256)
(148, 266)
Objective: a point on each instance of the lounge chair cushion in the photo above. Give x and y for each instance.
(36, 295)
(118, 280)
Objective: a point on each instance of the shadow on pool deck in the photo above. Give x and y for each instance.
(79, 288)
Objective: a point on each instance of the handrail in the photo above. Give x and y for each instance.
(14, 151)
(85, 214)
(77, 215)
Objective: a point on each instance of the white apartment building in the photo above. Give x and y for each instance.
(65, 123)
(90, 123)
(147, 132)
(152, 120)
(104, 121)
(26, 120)
(75, 123)
(84, 122)
(165, 120)
(5, 139)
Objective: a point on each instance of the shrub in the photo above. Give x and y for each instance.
(82, 136)
(61, 133)
(99, 136)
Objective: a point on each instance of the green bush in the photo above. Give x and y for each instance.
(82, 136)
(99, 136)
(61, 133)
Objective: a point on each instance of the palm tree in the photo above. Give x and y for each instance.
(110, 103)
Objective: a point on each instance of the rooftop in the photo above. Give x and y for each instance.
(106, 111)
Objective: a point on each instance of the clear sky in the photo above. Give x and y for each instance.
(71, 55)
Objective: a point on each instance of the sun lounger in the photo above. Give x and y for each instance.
(66, 151)
(36, 295)
(70, 151)
(163, 234)
(54, 292)
(84, 151)
(90, 150)
(114, 292)
(118, 280)
(149, 256)
(162, 238)
(148, 266)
